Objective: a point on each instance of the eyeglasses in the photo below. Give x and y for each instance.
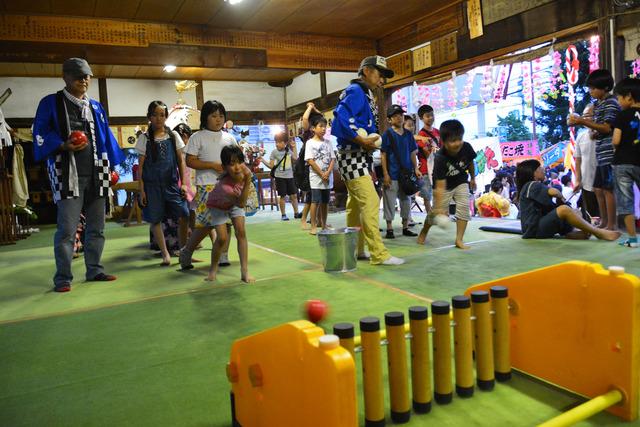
(85, 77)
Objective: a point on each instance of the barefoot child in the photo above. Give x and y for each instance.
(543, 219)
(320, 157)
(451, 168)
(226, 201)
(162, 163)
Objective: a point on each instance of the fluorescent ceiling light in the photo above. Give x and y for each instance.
(169, 68)
(233, 1)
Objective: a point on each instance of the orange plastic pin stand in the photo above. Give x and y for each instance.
(576, 325)
(284, 377)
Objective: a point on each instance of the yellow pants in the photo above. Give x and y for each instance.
(363, 210)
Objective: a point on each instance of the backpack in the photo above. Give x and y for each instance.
(301, 171)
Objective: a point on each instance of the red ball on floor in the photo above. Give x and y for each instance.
(316, 310)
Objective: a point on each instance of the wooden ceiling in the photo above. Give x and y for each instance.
(359, 22)
(350, 18)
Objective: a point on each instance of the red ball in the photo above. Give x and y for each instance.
(78, 137)
(115, 177)
(316, 310)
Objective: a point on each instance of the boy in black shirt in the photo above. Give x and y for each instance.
(451, 168)
(626, 158)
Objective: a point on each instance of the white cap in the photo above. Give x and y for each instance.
(616, 270)
(328, 342)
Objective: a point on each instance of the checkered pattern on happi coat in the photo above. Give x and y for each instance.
(352, 164)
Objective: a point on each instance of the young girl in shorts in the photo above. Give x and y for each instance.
(226, 202)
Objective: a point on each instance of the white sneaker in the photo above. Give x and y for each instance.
(393, 261)
(364, 256)
(224, 260)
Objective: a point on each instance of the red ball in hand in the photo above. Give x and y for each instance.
(316, 310)
(78, 137)
(115, 177)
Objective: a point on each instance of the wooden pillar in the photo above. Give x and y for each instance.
(323, 84)
(103, 94)
(199, 95)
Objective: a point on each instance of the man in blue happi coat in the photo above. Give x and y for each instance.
(79, 169)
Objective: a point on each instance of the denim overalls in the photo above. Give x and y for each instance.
(160, 177)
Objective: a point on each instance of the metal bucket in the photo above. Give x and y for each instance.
(339, 249)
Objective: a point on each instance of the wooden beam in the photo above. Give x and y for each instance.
(159, 55)
(426, 29)
(296, 51)
(324, 103)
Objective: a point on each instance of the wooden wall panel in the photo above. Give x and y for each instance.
(332, 53)
(497, 10)
(427, 29)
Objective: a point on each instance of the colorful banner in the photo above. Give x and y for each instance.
(553, 155)
(489, 160)
(515, 149)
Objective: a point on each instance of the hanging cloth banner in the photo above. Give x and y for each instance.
(572, 67)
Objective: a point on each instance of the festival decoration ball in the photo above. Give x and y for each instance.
(78, 138)
(316, 310)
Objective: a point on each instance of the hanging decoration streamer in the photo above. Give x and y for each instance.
(468, 88)
(436, 98)
(572, 67)
(398, 97)
(557, 78)
(453, 94)
(635, 67)
(594, 53)
(502, 85)
(424, 95)
(527, 86)
(538, 77)
(487, 83)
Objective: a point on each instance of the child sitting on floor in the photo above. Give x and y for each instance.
(226, 201)
(541, 218)
(492, 204)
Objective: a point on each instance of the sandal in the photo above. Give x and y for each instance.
(629, 243)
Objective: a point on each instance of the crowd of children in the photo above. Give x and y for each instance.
(440, 159)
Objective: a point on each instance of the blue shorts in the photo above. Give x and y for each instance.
(164, 202)
(625, 177)
(604, 178)
(319, 195)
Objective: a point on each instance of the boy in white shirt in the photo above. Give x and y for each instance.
(321, 158)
